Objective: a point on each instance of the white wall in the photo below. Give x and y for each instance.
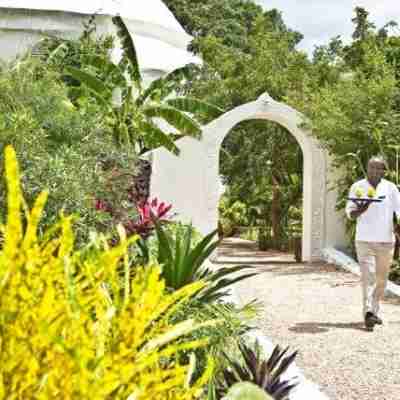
(191, 181)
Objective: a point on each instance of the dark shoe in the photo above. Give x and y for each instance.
(369, 321)
(376, 319)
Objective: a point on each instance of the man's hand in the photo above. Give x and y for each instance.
(360, 210)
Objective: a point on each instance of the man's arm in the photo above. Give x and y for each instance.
(396, 209)
(353, 211)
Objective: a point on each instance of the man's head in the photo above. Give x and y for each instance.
(376, 169)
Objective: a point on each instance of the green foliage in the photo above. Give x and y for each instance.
(229, 20)
(261, 164)
(232, 214)
(129, 109)
(129, 51)
(236, 72)
(234, 322)
(265, 373)
(183, 263)
(394, 274)
(59, 147)
(355, 113)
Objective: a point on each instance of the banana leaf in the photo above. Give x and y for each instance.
(195, 106)
(129, 50)
(179, 120)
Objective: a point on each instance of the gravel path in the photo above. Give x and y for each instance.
(316, 309)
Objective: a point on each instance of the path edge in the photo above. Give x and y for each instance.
(338, 258)
(306, 389)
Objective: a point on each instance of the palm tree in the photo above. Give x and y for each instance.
(133, 118)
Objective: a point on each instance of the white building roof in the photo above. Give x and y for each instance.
(151, 11)
(160, 39)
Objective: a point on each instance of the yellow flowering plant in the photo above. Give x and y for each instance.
(72, 328)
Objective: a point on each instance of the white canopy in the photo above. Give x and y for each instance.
(160, 39)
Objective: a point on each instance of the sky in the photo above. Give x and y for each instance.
(321, 20)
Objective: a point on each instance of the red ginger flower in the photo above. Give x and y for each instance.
(149, 212)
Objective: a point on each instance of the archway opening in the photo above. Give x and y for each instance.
(261, 193)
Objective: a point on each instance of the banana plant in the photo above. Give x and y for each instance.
(133, 110)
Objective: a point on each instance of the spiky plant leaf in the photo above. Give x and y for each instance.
(185, 250)
(267, 374)
(183, 264)
(213, 292)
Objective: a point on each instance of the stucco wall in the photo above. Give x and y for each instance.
(191, 181)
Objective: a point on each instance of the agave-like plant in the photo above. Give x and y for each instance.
(267, 374)
(183, 262)
(132, 116)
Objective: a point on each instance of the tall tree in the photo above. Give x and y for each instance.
(363, 27)
(241, 63)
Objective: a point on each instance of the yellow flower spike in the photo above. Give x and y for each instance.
(64, 305)
(13, 233)
(180, 329)
(67, 242)
(33, 219)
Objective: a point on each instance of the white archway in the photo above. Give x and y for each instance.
(190, 181)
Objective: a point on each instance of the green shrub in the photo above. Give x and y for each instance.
(232, 215)
(59, 147)
(234, 323)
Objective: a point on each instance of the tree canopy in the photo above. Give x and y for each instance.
(349, 94)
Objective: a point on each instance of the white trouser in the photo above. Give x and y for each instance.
(375, 259)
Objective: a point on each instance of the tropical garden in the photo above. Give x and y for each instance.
(102, 293)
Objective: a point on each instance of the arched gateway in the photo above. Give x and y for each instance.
(191, 181)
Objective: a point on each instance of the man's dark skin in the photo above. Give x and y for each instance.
(375, 172)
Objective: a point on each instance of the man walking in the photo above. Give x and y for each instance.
(374, 235)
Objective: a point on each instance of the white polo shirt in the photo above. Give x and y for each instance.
(376, 223)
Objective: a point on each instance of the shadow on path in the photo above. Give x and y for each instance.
(235, 250)
(321, 327)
